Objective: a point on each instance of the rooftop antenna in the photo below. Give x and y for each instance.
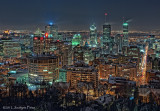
(105, 17)
(123, 19)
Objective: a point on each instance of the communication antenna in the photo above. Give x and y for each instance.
(105, 17)
(123, 19)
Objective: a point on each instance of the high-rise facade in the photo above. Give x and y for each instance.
(48, 43)
(42, 68)
(118, 41)
(38, 44)
(52, 30)
(76, 40)
(106, 33)
(93, 36)
(125, 33)
(82, 72)
(63, 51)
(44, 42)
(11, 48)
(78, 54)
(107, 38)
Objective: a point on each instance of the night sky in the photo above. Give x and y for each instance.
(79, 14)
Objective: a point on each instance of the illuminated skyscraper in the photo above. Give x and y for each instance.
(51, 35)
(118, 41)
(38, 42)
(42, 42)
(48, 43)
(106, 38)
(82, 53)
(106, 33)
(76, 40)
(125, 33)
(52, 31)
(78, 54)
(93, 36)
(63, 51)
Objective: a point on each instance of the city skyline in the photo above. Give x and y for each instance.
(83, 55)
(27, 14)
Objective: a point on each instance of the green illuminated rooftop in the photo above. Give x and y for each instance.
(93, 27)
(125, 24)
(76, 39)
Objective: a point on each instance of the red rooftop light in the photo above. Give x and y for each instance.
(35, 38)
(41, 38)
(46, 34)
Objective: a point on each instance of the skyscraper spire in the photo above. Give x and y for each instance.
(105, 19)
(123, 19)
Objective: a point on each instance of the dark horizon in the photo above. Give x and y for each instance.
(79, 15)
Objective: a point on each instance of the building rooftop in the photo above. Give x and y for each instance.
(43, 56)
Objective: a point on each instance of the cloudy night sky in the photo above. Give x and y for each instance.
(79, 14)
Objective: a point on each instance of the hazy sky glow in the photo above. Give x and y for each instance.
(79, 14)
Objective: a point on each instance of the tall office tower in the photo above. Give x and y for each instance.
(88, 54)
(82, 53)
(118, 41)
(106, 33)
(76, 40)
(93, 36)
(63, 51)
(38, 44)
(107, 38)
(48, 43)
(42, 42)
(42, 69)
(78, 54)
(52, 30)
(51, 35)
(125, 33)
